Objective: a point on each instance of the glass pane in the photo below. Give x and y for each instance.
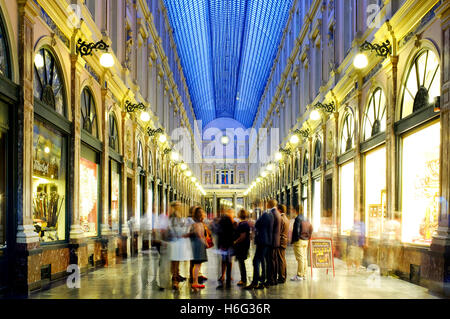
(89, 196)
(375, 191)
(115, 197)
(49, 183)
(2, 189)
(316, 213)
(420, 185)
(347, 197)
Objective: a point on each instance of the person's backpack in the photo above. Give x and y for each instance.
(306, 230)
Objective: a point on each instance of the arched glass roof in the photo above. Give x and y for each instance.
(227, 48)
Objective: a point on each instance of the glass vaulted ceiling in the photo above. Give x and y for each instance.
(227, 48)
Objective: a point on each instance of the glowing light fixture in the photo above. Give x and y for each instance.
(294, 139)
(193, 179)
(162, 138)
(270, 167)
(145, 117)
(183, 167)
(278, 156)
(107, 60)
(225, 140)
(175, 156)
(188, 173)
(264, 174)
(47, 150)
(315, 115)
(360, 61)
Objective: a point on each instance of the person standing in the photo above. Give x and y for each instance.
(198, 242)
(242, 245)
(178, 245)
(226, 235)
(301, 233)
(284, 238)
(263, 241)
(275, 247)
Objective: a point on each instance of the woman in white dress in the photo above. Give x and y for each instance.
(179, 243)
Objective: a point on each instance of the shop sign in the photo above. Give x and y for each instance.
(321, 253)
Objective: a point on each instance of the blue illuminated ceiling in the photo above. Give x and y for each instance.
(227, 49)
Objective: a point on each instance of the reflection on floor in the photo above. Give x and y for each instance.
(135, 278)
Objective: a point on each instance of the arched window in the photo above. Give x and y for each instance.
(348, 131)
(296, 167)
(113, 133)
(48, 82)
(375, 116)
(5, 63)
(150, 164)
(140, 155)
(317, 154)
(422, 83)
(305, 163)
(88, 113)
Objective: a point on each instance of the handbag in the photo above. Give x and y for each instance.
(209, 240)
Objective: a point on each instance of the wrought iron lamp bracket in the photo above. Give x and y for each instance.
(382, 50)
(85, 48)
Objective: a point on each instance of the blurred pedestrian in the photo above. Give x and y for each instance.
(242, 244)
(356, 244)
(227, 227)
(199, 244)
(179, 247)
(301, 233)
(281, 252)
(275, 247)
(263, 240)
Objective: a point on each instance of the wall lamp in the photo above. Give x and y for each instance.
(84, 48)
(328, 108)
(302, 132)
(285, 151)
(152, 132)
(130, 107)
(167, 150)
(382, 50)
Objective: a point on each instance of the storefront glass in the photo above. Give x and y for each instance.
(420, 184)
(89, 192)
(375, 191)
(49, 183)
(316, 212)
(3, 154)
(114, 211)
(347, 197)
(140, 198)
(304, 200)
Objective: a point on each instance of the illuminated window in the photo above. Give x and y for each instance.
(305, 164)
(150, 160)
(347, 135)
(113, 133)
(48, 82)
(114, 196)
(420, 184)
(347, 196)
(375, 116)
(316, 207)
(90, 192)
(317, 155)
(422, 84)
(375, 191)
(5, 64)
(140, 155)
(295, 168)
(304, 198)
(89, 113)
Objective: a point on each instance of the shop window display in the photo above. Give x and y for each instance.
(347, 197)
(422, 84)
(49, 183)
(114, 211)
(89, 192)
(48, 83)
(375, 116)
(375, 192)
(420, 184)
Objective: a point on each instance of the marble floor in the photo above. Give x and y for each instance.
(134, 278)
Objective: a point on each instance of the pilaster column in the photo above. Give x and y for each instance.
(336, 190)
(323, 164)
(105, 227)
(214, 204)
(310, 199)
(124, 219)
(235, 202)
(27, 238)
(357, 158)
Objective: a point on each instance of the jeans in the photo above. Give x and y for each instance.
(260, 259)
(242, 269)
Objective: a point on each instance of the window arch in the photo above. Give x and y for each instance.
(375, 116)
(150, 164)
(295, 167)
(348, 132)
(5, 62)
(89, 113)
(140, 155)
(48, 82)
(317, 154)
(113, 133)
(305, 163)
(421, 84)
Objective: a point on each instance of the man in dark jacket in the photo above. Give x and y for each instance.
(281, 256)
(276, 236)
(300, 240)
(226, 235)
(263, 241)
